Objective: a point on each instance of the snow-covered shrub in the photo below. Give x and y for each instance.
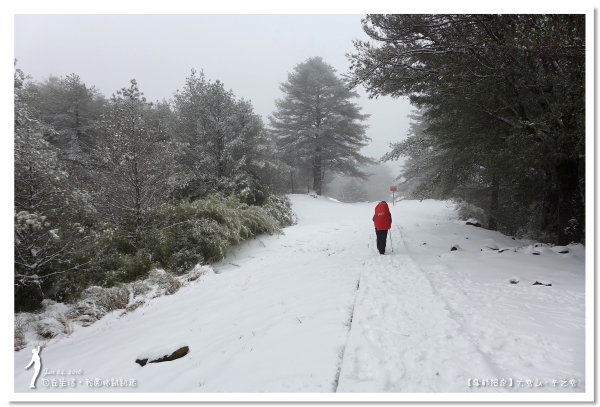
(48, 328)
(87, 311)
(466, 211)
(280, 208)
(136, 266)
(253, 221)
(164, 283)
(20, 323)
(112, 267)
(65, 321)
(138, 288)
(55, 320)
(133, 306)
(197, 272)
(249, 189)
(108, 299)
(204, 230)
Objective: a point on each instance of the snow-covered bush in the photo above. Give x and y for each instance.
(249, 189)
(87, 311)
(280, 207)
(20, 323)
(96, 301)
(197, 272)
(138, 288)
(205, 230)
(163, 283)
(114, 264)
(107, 299)
(55, 320)
(48, 328)
(136, 266)
(466, 211)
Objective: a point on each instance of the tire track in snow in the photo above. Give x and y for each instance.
(403, 338)
(371, 248)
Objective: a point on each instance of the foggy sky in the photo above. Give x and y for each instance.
(250, 54)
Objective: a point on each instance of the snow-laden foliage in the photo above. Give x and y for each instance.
(72, 109)
(467, 211)
(280, 208)
(205, 230)
(502, 101)
(56, 320)
(48, 209)
(20, 326)
(226, 144)
(138, 169)
(107, 190)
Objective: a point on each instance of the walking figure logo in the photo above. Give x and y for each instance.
(37, 364)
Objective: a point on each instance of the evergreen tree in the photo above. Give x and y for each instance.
(504, 103)
(316, 124)
(226, 141)
(72, 109)
(48, 210)
(137, 163)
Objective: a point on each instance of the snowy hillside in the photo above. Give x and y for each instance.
(318, 310)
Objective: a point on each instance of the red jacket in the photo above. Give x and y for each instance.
(382, 217)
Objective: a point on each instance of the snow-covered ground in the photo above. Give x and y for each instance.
(318, 310)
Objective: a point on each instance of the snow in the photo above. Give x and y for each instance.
(318, 310)
(429, 319)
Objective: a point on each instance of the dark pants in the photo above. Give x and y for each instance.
(381, 240)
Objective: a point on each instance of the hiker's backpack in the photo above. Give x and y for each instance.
(382, 218)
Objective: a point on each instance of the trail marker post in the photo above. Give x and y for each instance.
(393, 188)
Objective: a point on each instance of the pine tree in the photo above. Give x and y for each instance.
(48, 233)
(72, 109)
(504, 103)
(226, 141)
(316, 124)
(137, 163)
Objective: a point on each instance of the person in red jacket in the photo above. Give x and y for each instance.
(383, 223)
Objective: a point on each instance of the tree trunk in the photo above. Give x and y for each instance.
(570, 204)
(493, 223)
(307, 177)
(292, 179)
(317, 168)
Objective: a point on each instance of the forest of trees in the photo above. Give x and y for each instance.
(107, 189)
(500, 113)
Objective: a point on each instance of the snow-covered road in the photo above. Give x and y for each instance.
(403, 337)
(428, 319)
(284, 315)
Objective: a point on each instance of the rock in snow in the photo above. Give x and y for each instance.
(491, 245)
(164, 353)
(473, 222)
